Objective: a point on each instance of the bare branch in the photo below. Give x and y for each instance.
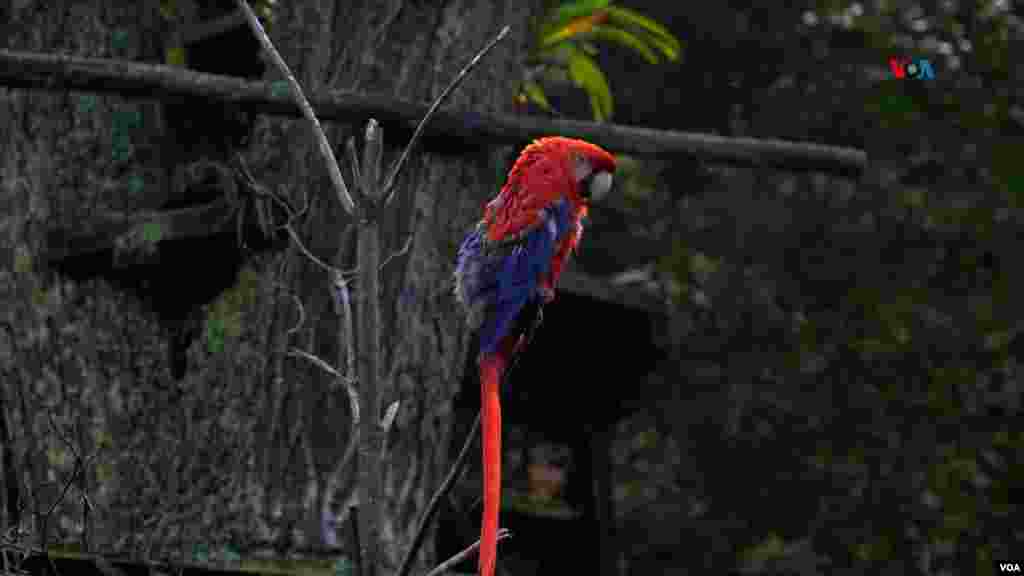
(396, 170)
(353, 394)
(388, 419)
(110, 231)
(242, 168)
(298, 306)
(325, 147)
(353, 160)
(306, 252)
(357, 548)
(80, 465)
(321, 363)
(373, 149)
(437, 498)
(345, 301)
(61, 73)
(402, 252)
(449, 563)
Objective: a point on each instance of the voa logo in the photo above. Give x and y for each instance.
(916, 69)
(1009, 567)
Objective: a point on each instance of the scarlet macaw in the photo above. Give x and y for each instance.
(509, 264)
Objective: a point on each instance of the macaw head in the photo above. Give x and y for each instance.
(587, 168)
(593, 168)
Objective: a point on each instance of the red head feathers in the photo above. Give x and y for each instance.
(547, 171)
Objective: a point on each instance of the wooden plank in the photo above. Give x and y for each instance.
(578, 282)
(62, 72)
(116, 231)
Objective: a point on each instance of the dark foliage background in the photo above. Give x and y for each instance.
(844, 387)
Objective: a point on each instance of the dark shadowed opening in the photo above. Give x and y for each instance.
(581, 374)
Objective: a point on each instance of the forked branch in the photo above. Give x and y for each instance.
(293, 85)
(375, 192)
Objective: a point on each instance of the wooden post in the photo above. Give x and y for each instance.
(604, 513)
(368, 318)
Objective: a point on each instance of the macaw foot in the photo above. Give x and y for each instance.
(547, 294)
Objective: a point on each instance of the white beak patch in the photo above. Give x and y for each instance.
(600, 184)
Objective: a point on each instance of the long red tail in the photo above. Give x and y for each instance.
(491, 369)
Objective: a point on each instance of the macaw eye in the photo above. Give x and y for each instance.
(596, 186)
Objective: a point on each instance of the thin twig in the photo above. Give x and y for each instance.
(302, 314)
(435, 500)
(242, 168)
(306, 252)
(402, 252)
(388, 189)
(300, 98)
(80, 465)
(353, 400)
(353, 394)
(353, 161)
(373, 151)
(343, 298)
(357, 551)
(451, 562)
(341, 286)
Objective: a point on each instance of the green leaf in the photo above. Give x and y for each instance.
(151, 232)
(56, 456)
(87, 103)
(556, 75)
(585, 73)
(671, 50)
(265, 10)
(104, 472)
(168, 9)
(103, 439)
(343, 567)
(569, 11)
(1008, 171)
(215, 335)
(122, 149)
(136, 184)
(898, 105)
(771, 547)
(120, 39)
(201, 553)
(279, 89)
(536, 94)
(660, 36)
(230, 555)
(22, 260)
(175, 56)
(572, 28)
(627, 39)
(914, 197)
(702, 264)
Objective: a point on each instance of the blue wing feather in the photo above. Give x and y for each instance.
(495, 284)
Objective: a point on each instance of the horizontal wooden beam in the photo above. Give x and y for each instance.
(61, 72)
(119, 233)
(577, 282)
(125, 233)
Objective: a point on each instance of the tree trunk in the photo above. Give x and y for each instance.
(249, 447)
